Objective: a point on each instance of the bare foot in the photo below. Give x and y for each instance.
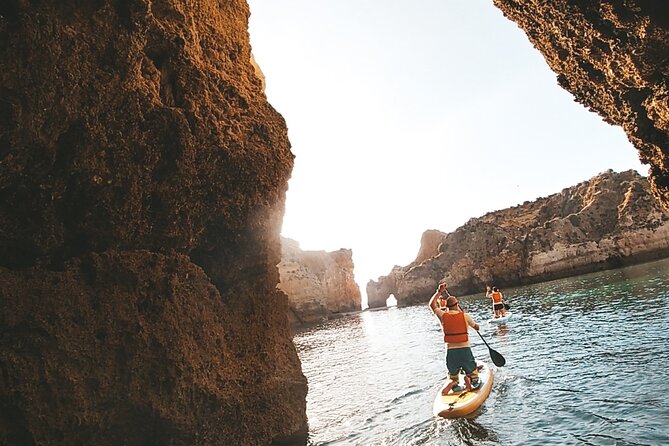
(447, 388)
(468, 383)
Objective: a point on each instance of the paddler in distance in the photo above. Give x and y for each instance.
(498, 307)
(459, 356)
(441, 299)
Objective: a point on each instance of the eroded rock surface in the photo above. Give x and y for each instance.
(613, 57)
(609, 221)
(142, 186)
(320, 285)
(136, 347)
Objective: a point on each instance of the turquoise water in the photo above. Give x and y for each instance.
(586, 365)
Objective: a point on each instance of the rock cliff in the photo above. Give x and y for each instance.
(142, 186)
(609, 221)
(612, 56)
(320, 285)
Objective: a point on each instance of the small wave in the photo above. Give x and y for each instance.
(406, 395)
(612, 420)
(616, 440)
(644, 402)
(567, 390)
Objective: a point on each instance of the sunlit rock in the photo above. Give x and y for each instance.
(609, 221)
(612, 56)
(320, 285)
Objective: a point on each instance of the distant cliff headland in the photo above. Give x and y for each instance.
(320, 285)
(608, 221)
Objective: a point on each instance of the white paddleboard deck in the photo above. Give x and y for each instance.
(500, 320)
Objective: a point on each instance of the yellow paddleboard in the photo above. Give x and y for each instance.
(459, 404)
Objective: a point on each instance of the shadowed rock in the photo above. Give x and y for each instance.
(142, 186)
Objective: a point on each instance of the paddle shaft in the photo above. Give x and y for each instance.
(496, 357)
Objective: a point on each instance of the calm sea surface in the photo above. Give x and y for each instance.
(586, 365)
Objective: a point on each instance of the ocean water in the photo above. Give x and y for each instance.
(586, 364)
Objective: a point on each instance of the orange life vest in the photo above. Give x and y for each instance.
(455, 327)
(497, 297)
(441, 302)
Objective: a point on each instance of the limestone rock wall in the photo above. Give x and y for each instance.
(612, 56)
(609, 221)
(320, 285)
(142, 185)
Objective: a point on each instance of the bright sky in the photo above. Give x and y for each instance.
(407, 116)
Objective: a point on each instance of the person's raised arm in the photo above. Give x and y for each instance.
(433, 301)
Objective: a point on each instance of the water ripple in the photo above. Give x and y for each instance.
(586, 364)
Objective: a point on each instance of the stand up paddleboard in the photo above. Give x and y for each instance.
(459, 404)
(500, 320)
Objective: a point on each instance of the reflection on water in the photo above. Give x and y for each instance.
(586, 364)
(501, 330)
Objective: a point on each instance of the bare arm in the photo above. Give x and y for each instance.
(433, 301)
(471, 322)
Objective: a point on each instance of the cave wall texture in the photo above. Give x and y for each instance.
(142, 186)
(613, 56)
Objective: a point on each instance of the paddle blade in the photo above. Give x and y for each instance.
(497, 358)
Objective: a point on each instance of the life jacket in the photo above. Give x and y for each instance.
(441, 302)
(497, 297)
(454, 326)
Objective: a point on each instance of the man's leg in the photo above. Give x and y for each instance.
(454, 382)
(454, 365)
(471, 370)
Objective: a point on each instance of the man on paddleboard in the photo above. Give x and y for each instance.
(459, 356)
(497, 297)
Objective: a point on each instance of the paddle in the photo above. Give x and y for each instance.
(496, 357)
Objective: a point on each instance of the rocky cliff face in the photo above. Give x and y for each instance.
(611, 220)
(142, 186)
(612, 56)
(320, 285)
